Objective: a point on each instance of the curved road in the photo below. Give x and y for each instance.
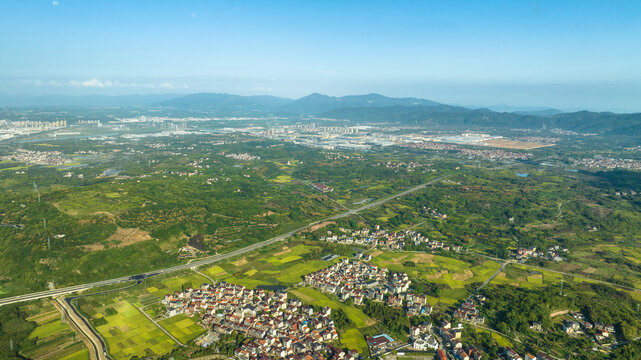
(97, 350)
(211, 259)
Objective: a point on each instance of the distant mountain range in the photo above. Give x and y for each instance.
(310, 105)
(366, 108)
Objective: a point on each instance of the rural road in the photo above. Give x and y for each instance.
(211, 259)
(487, 281)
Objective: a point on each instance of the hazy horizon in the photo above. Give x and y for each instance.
(569, 56)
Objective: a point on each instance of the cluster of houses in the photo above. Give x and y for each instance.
(322, 187)
(451, 339)
(359, 280)
(397, 165)
(188, 252)
(553, 253)
(608, 163)
(510, 354)
(422, 338)
(434, 213)
(579, 326)
(468, 310)
(37, 157)
(626, 193)
(242, 156)
(275, 325)
(452, 348)
(378, 237)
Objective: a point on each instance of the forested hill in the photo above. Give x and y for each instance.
(308, 105)
(451, 116)
(319, 103)
(377, 108)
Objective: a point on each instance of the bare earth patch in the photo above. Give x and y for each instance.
(321, 225)
(375, 253)
(93, 247)
(515, 144)
(467, 274)
(285, 251)
(122, 237)
(129, 236)
(569, 267)
(438, 275)
(560, 312)
(399, 260)
(240, 262)
(422, 258)
(590, 270)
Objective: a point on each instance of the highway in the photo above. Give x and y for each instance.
(211, 259)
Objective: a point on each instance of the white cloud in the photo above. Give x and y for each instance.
(55, 3)
(97, 83)
(102, 83)
(94, 83)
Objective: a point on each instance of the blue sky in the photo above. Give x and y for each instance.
(564, 54)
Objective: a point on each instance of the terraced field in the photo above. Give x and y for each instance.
(526, 277)
(453, 273)
(52, 339)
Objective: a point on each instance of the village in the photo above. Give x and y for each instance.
(378, 237)
(277, 326)
(282, 327)
(553, 253)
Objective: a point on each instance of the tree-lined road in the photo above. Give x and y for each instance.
(211, 259)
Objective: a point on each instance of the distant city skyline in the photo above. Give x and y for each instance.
(568, 55)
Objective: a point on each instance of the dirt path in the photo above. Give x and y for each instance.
(487, 281)
(203, 275)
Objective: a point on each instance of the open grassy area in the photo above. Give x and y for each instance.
(215, 272)
(189, 280)
(283, 179)
(183, 327)
(354, 340)
(311, 296)
(296, 273)
(104, 200)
